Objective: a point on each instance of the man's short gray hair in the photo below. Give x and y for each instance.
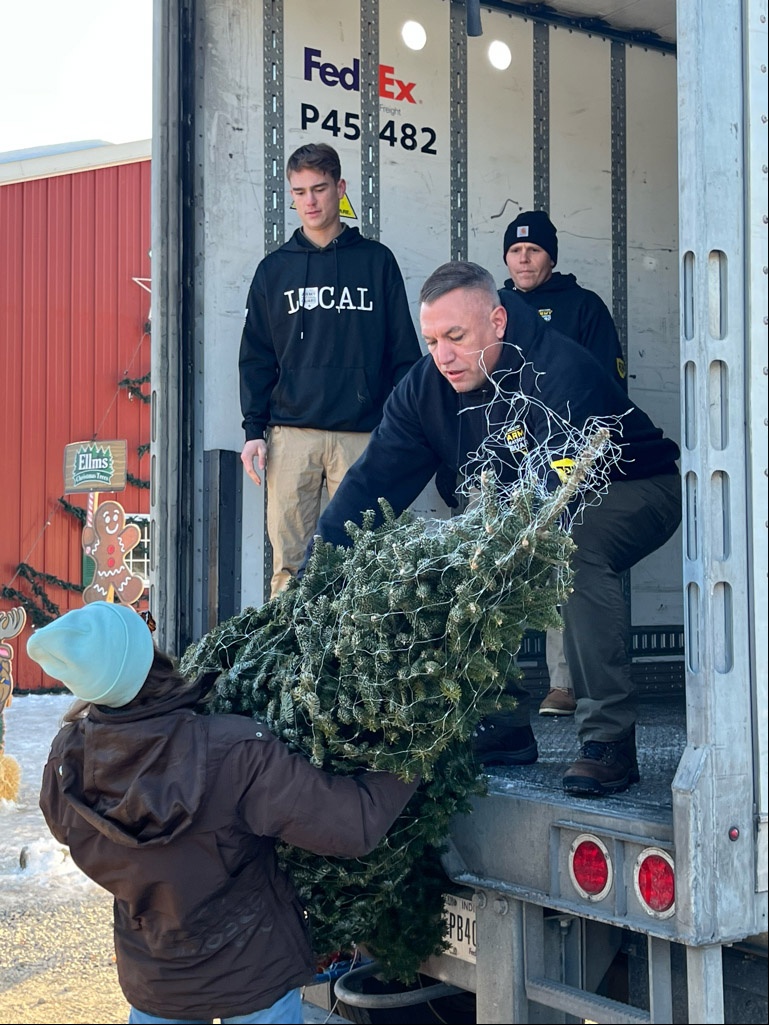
(458, 274)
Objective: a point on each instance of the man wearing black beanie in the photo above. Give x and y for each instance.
(530, 251)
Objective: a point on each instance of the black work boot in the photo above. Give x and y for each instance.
(603, 768)
(499, 741)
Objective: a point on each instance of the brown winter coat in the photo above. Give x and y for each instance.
(176, 814)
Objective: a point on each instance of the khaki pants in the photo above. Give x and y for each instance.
(300, 460)
(557, 666)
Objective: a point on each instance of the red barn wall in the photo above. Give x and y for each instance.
(73, 324)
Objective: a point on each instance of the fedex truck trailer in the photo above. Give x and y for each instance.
(642, 129)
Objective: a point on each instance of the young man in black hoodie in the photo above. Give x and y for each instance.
(530, 252)
(328, 334)
(484, 348)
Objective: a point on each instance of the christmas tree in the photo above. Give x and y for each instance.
(385, 656)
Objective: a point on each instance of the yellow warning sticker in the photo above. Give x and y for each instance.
(345, 208)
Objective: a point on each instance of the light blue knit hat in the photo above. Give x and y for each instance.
(102, 652)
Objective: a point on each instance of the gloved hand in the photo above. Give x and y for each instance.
(446, 483)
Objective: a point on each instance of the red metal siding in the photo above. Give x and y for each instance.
(72, 326)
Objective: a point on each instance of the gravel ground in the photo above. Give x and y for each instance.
(57, 966)
(57, 960)
(58, 963)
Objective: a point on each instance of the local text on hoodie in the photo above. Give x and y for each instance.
(327, 335)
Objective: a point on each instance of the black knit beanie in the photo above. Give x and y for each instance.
(536, 227)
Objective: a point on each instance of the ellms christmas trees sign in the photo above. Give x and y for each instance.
(95, 466)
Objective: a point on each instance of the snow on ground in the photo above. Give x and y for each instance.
(31, 722)
(51, 877)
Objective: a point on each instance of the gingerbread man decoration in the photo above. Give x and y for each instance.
(107, 542)
(11, 625)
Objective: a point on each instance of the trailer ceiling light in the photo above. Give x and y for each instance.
(590, 867)
(655, 882)
(413, 35)
(500, 56)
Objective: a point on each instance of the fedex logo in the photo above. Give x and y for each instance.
(390, 87)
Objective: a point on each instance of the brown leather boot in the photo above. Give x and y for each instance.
(558, 702)
(603, 768)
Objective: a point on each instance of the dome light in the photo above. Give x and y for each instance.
(500, 55)
(413, 35)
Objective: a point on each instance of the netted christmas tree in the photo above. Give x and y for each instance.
(385, 656)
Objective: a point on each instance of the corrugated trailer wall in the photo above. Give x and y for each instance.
(578, 123)
(73, 324)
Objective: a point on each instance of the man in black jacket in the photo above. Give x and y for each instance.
(483, 348)
(327, 335)
(530, 252)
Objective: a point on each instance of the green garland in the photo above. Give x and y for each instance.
(74, 510)
(44, 610)
(133, 387)
(137, 482)
(385, 656)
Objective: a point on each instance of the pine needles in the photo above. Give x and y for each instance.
(385, 656)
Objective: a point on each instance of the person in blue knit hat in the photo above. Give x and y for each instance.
(177, 814)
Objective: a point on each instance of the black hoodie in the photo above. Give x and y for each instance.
(327, 335)
(579, 314)
(422, 426)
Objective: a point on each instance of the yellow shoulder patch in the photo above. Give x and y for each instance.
(563, 467)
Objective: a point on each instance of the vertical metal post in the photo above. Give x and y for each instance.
(661, 981)
(274, 163)
(500, 967)
(725, 506)
(458, 142)
(541, 116)
(704, 983)
(619, 219)
(274, 155)
(619, 194)
(369, 116)
(175, 441)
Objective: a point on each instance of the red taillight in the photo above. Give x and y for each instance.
(590, 867)
(655, 882)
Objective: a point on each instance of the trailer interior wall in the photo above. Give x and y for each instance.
(309, 53)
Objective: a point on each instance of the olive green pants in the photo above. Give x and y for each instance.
(633, 519)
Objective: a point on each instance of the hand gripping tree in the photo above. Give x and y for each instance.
(385, 655)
